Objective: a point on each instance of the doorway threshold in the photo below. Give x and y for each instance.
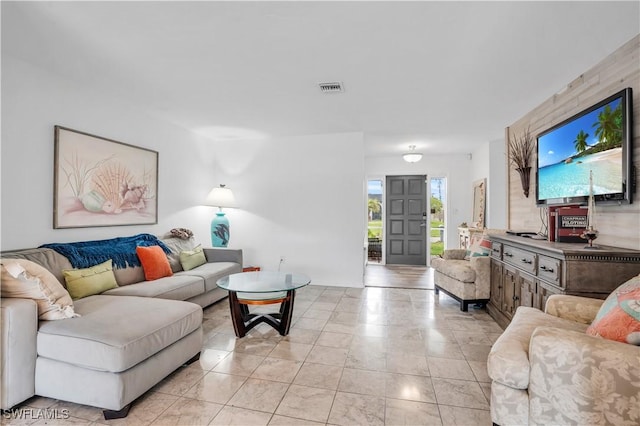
(399, 276)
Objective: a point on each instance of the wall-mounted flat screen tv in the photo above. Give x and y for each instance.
(597, 139)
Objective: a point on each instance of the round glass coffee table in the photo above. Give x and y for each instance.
(262, 288)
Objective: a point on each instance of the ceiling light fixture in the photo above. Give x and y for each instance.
(412, 156)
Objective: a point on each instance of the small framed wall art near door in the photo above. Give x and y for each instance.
(102, 182)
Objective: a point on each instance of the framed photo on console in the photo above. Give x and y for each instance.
(102, 182)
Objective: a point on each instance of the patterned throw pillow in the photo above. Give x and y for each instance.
(480, 245)
(619, 315)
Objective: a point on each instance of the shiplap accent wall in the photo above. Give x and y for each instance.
(619, 225)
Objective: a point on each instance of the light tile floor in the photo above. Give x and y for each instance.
(372, 356)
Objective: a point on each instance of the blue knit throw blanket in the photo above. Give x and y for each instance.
(121, 250)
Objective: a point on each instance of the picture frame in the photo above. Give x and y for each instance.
(479, 203)
(102, 182)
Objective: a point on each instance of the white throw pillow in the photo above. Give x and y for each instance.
(27, 280)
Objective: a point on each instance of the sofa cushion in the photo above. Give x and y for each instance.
(115, 333)
(129, 275)
(508, 361)
(28, 280)
(177, 245)
(174, 287)
(212, 272)
(619, 316)
(190, 259)
(154, 262)
(50, 259)
(89, 281)
(458, 269)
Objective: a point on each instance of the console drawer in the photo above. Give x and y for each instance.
(549, 269)
(496, 250)
(524, 260)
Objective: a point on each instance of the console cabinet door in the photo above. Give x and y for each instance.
(539, 297)
(510, 283)
(544, 291)
(527, 290)
(496, 285)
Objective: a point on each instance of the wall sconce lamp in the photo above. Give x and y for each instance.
(220, 197)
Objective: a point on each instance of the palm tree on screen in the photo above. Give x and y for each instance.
(581, 141)
(608, 127)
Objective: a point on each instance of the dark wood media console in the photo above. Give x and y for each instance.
(525, 272)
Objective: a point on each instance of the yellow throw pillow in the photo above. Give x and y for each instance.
(89, 281)
(190, 259)
(28, 280)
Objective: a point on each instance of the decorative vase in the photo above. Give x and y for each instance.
(525, 174)
(220, 230)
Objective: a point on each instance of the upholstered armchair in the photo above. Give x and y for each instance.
(466, 280)
(547, 370)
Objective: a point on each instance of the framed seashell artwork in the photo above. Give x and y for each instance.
(102, 182)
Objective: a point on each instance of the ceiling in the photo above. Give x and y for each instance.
(445, 76)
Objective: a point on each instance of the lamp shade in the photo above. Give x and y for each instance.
(412, 156)
(221, 197)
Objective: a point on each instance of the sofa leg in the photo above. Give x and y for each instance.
(193, 359)
(464, 306)
(119, 414)
(436, 290)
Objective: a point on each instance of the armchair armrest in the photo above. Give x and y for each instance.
(482, 266)
(454, 254)
(574, 308)
(222, 255)
(580, 379)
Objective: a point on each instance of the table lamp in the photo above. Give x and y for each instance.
(220, 197)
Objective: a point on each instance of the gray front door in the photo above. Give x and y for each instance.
(406, 220)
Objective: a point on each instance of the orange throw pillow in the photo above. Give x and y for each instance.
(154, 262)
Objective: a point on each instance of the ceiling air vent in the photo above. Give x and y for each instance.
(334, 87)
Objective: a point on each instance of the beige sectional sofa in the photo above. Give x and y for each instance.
(125, 340)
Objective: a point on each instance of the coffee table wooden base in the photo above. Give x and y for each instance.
(244, 321)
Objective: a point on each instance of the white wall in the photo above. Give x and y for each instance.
(456, 168)
(488, 162)
(301, 198)
(497, 189)
(33, 101)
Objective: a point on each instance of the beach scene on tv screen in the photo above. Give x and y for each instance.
(567, 154)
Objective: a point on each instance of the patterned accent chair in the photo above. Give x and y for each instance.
(546, 370)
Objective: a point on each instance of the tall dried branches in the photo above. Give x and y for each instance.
(521, 150)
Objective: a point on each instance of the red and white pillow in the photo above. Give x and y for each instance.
(619, 316)
(480, 245)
